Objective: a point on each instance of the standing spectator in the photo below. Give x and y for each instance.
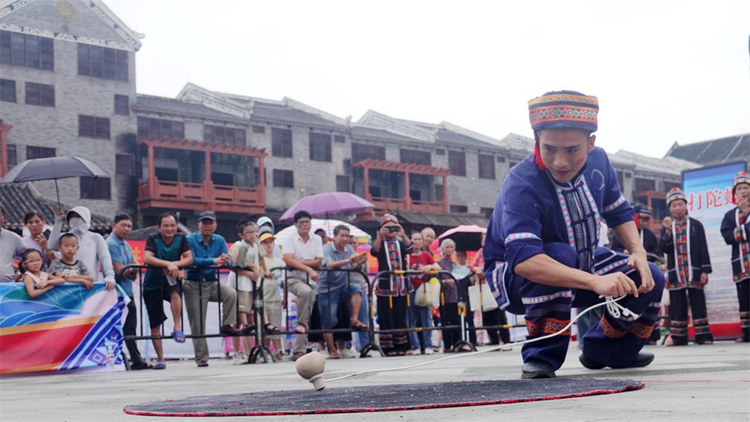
(323, 236)
(202, 285)
(497, 315)
(302, 252)
(92, 248)
(391, 248)
(11, 246)
(335, 287)
(428, 236)
(689, 265)
(462, 273)
(649, 241)
(271, 295)
(34, 222)
(419, 316)
(359, 278)
(449, 311)
(122, 256)
(736, 232)
(166, 253)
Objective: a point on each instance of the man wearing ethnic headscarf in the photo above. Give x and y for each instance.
(688, 267)
(735, 228)
(644, 215)
(391, 248)
(541, 252)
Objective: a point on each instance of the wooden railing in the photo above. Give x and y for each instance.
(201, 195)
(408, 204)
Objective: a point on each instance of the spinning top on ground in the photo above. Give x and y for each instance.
(311, 367)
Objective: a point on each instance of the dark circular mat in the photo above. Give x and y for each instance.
(379, 398)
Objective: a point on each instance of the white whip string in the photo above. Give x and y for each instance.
(612, 306)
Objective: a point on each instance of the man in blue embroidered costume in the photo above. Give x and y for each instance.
(541, 252)
(735, 229)
(688, 267)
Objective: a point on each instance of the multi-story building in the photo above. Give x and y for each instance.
(67, 87)
(67, 81)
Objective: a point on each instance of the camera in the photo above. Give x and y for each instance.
(393, 229)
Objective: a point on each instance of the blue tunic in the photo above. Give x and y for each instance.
(534, 214)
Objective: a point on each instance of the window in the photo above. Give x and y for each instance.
(40, 94)
(439, 193)
(281, 142)
(158, 128)
(459, 208)
(339, 139)
(12, 156)
(643, 185)
(283, 178)
(486, 167)
(122, 104)
(26, 50)
(457, 163)
(7, 90)
(39, 152)
(259, 129)
(224, 135)
(102, 62)
(342, 183)
(320, 147)
(95, 188)
(513, 164)
(439, 151)
(410, 156)
(125, 164)
(487, 212)
(93, 127)
(500, 159)
(363, 152)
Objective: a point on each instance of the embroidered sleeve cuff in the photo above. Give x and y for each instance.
(611, 207)
(518, 236)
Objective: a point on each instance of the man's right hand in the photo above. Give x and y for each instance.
(313, 275)
(615, 285)
(173, 270)
(742, 203)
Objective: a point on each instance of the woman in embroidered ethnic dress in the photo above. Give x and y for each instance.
(735, 228)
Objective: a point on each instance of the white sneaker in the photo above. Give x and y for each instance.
(239, 359)
(346, 354)
(428, 351)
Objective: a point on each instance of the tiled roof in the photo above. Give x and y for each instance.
(442, 219)
(179, 107)
(715, 151)
(362, 132)
(19, 198)
(450, 137)
(284, 114)
(641, 163)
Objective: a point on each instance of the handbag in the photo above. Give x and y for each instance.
(484, 301)
(428, 294)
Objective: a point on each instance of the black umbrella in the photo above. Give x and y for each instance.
(52, 169)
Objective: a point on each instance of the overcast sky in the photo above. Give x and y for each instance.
(663, 71)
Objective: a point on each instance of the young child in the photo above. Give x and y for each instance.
(245, 254)
(37, 282)
(271, 295)
(68, 267)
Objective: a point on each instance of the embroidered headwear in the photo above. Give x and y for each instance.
(643, 210)
(388, 218)
(741, 177)
(562, 110)
(675, 194)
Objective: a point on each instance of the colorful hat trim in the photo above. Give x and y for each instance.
(388, 218)
(674, 194)
(564, 110)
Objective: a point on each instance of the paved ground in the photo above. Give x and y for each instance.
(700, 383)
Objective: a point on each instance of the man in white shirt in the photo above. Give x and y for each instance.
(10, 247)
(303, 253)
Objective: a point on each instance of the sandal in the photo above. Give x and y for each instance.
(300, 329)
(270, 328)
(160, 365)
(178, 336)
(359, 326)
(141, 365)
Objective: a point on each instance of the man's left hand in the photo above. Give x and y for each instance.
(638, 261)
(110, 285)
(704, 279)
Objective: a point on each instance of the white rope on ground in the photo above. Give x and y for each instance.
(612, 306)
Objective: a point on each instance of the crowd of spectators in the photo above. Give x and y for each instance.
(327, 279)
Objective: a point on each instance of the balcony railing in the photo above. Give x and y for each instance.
(409, 204)
(197, 196)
